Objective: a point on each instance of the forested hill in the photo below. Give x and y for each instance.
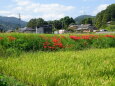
(82, 17)
(11, 22)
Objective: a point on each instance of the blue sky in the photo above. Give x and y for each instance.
(51, 9)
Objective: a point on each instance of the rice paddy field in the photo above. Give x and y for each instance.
(59, 65)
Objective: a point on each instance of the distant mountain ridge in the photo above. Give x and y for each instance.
(11, 22)
(82, 17)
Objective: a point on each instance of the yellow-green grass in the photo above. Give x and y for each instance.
(93, 67)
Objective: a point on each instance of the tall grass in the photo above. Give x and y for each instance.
(94, 67)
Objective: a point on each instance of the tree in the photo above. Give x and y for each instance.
(41, 22)
(32, 23)
(66, 21)
(104, 16)
(57, 24)
(36, 22)
(87, 21)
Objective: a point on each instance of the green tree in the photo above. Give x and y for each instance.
(40, 22)
(32, 23)
(87, 21)
(36, 22)
(104, 16)
(66, 21)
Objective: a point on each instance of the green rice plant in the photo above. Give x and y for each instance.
(93, 67)
(9, 81)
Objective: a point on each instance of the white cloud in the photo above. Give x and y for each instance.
(4, 12)
(100, 8)
(29, 9)
(52, 16)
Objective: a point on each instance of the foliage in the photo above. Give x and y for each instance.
(87, 21)
(66, 21)
(104, 16)
(93, 67)
(56, 24)
(110, 28)
(34, 42)
(33, 23)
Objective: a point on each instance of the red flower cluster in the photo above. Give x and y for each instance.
(88, 37)
(75, 37)
(54, 44)
(111, 36)
(1, 38)
(11, 38)
(57, 42)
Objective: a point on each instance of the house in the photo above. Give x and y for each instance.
(44, 29)
(41, 29)
(73, 26)
(83, 28)
(86, 28)
(9, 31)
(26, 30)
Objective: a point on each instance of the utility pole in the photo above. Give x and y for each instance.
(19, 20)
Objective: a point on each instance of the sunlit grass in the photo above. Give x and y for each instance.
(94, 67)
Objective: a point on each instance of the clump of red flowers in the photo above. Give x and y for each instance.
(88, 37)
(1, 38)
(75, 37)
(54, 43)
(111, 36)
(11, 38)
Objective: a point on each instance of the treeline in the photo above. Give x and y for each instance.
(56, 24)
(105, 16)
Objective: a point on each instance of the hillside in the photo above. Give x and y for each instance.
(82, 17)
(11, 22)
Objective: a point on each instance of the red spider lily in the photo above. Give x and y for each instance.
(111, 36)
(60, 45)
(56, 43)
(1, 38)
(45, 46)
(85, 37)
(75, 37)
(11, 38)
(55, 39)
